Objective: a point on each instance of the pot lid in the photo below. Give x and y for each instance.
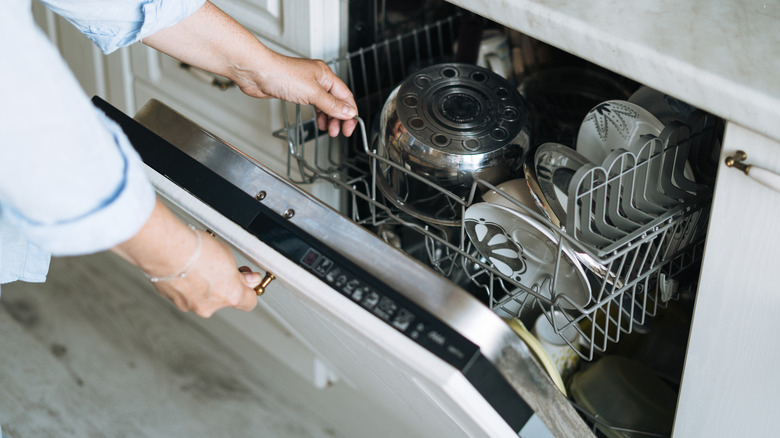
(461, 108)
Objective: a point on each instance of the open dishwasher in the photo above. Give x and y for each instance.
(641, 280)
(412, 309)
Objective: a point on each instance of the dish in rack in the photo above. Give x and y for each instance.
(639, 243)
(526, 251)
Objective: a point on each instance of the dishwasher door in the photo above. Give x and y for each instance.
(436, 358)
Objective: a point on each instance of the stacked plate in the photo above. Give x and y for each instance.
(622, 175)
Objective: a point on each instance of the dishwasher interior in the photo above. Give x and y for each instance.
(614, 273)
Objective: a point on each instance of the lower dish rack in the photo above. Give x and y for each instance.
(630, 278)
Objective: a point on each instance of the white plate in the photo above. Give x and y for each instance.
(665, 108)
(523, 249)
(622, 125)
(612, 125)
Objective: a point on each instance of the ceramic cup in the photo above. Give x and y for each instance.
(494, 53)
(562, 355)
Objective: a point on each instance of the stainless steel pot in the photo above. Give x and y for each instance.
(443, 127)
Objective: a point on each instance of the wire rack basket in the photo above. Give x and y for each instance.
(632, 275)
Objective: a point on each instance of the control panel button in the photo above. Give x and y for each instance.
(390, 308)
(351, 286)
(333, 274)
(310, 257)
(386, 308)
(360, 292)
(417, 330)
(323, 265)
(371, 299)
(403, 320)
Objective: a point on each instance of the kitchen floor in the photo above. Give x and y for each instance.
(95, 352)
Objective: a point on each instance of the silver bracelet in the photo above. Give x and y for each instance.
(185, 270)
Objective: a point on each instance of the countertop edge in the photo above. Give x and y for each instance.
(638, 60)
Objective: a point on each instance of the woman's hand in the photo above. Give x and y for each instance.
(213, 282)
(211, 40)
(166, 247)
(303, 81)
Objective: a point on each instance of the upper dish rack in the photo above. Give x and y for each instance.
(631, 277)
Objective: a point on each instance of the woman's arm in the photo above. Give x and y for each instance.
(211, 40)
(165, 246)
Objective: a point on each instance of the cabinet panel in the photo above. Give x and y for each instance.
(307, 28)
(728, 386)
(106, 76)
(295, 28)
(243, 121)
(231, 115)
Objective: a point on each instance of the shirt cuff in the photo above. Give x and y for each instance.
(112, 24)
(160, 14)
(20, 259)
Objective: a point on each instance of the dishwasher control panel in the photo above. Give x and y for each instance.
(403, 317)
(365, 290)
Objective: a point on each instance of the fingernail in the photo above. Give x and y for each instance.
(348, 110)
(253, 277)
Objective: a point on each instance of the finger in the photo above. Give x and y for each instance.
(322, 121)
(248, 300)
(333, 106)
(250, 279)
(340, 90)
(204, 312)
(334, 126)
(348, 127)
(334, 98)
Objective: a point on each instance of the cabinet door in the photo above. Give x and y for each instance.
(98, 74)
(309, 28)
(730, 385)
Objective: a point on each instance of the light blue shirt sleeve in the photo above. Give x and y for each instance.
(70, 182)
(112, 24)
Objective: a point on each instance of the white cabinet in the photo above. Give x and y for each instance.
(730, 386)
(298, 28)
(309, 28)
(98, 74)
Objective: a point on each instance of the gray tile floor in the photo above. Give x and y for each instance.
(94, 352)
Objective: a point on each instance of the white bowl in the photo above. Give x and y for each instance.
(614, 124)
(518, 190)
